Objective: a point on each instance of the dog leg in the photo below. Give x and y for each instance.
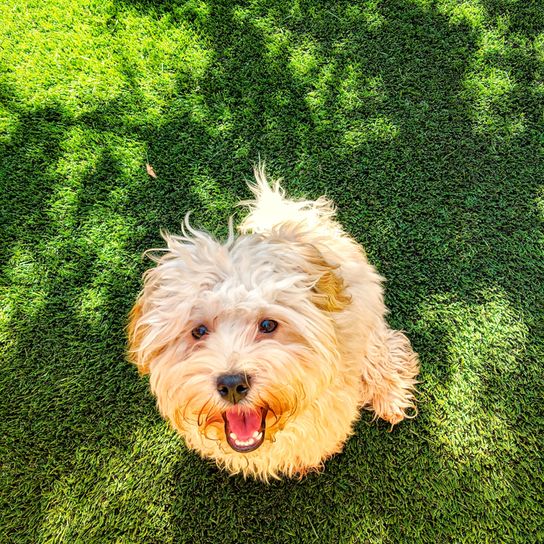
(389, 373)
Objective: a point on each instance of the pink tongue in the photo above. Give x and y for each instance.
(243, 422)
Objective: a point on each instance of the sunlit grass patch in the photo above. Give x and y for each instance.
(490, 91)
(375, 129)
(105, 496)
(471, 12)
(63, 56)
(483, 344)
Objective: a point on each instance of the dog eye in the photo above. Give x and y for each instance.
(267, 325)
(199, 332)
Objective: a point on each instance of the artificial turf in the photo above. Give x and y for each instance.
(423, 120)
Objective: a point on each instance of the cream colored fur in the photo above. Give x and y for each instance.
(332, 354)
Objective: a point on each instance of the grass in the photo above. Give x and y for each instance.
(422, 119)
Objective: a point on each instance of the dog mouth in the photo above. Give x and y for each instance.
(245, 428)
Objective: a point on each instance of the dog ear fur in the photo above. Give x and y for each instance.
(136, 333)
(329, 292)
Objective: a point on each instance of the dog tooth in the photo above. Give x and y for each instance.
(256, 434)
(233, 436)
(251, 441)
(259, 435)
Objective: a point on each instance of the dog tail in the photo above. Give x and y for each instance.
(271, 208)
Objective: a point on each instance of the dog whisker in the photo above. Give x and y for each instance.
(202, 410)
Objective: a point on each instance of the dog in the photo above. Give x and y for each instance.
(262, 349)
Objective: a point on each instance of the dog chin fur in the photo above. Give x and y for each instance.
(331, 354)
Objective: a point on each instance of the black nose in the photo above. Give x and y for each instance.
(233, 387)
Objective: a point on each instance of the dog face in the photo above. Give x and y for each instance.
(237, 337)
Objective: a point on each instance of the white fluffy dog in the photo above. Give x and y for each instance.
(262, 349)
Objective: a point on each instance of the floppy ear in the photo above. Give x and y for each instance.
(329, 292)
(137, 331)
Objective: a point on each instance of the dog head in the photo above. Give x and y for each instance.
(237, 337)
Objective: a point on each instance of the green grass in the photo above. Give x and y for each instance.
(422, 119)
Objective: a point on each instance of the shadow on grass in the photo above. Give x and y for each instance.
(434, 163)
